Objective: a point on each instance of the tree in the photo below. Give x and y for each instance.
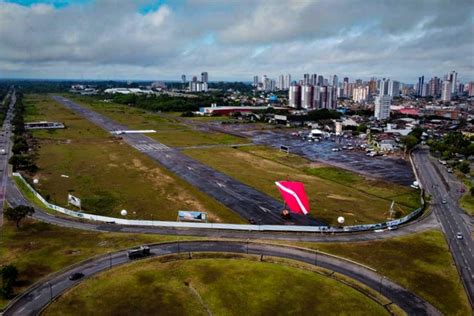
(16, 214)
(9, 274)
(464, 167)
(409, 142)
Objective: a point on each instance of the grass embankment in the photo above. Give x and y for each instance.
(332, 192)
(38, 249)
(212, 286)
(467, 200)
(420, 262)
(170, 131)
(107, 174)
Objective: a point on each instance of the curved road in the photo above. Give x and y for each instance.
(37, 297)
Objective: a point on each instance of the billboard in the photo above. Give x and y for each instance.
(192, 216)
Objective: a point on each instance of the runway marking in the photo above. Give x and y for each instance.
(151, 147)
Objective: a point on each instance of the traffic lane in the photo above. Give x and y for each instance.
(449, 216)
(397, 294)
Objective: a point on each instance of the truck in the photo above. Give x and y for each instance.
(140, 252)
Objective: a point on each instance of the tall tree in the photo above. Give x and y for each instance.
(16, 214)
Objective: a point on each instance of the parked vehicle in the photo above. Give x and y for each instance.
(76, 276)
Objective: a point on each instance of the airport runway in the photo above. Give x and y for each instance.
(443, 186)
(39, 296)
(242, 199)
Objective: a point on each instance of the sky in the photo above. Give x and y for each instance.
(235, 39)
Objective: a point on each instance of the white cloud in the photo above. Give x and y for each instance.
(237, 39)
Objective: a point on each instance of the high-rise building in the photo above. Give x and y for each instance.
(470, 89)
(372, 86)
(335, 81)
(294, 96)
(306, 78)
(287, 82)
(326, 97)
(434, 87)
(204, 77)
(255, 81)
(314, 79)
(421, 82)
(320, 80)
(384, 86)
(183, 78)
(361, 94)
(382, 107)
(394, 88)
(345, 87)
(307, 96)
(453, 78)
(446, 91)
(281, 82)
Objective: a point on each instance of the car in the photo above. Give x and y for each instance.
(444, 201)
(393, 227)
(76, 276)
(459, 236)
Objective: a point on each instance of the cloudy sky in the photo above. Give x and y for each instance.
(235, 39)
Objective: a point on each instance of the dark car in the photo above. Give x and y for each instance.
(76, 276)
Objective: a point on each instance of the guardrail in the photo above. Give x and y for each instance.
(243, 227)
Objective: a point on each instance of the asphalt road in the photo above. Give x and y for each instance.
(37, 297)
(442, 186)
(242, 199)
(5, 143)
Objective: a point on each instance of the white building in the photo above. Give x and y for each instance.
(394, 88)
(446, 91)
(360, 94)
(382, 107)
(307, 96)
(294, 96)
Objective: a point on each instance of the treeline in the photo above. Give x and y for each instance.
(23, 153)
(167, 103)
(454, 144)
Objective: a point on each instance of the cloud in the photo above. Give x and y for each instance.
(236, 39)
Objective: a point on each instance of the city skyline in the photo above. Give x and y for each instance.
(160, 40)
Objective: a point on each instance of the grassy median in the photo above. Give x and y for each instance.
(212, 287)
(107, 174)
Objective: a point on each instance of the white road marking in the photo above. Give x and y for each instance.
(150, 147)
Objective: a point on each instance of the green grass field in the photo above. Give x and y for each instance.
(38, 249)
(420, 262)
(170, 130)
(107, 174)
(220, 286)
(331, 194)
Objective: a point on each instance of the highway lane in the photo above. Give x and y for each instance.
(244, 200)
(37, 297)
(5, 143)
(450, 215)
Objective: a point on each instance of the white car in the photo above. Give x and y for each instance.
(459, 236)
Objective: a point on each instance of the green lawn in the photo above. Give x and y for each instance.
(220, 286)
(420, 262)
(170, 130)
(330, 197)
(107, 174)
(38, 249)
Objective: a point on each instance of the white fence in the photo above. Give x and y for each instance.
(282, 228)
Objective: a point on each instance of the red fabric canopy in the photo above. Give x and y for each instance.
(294, 195)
